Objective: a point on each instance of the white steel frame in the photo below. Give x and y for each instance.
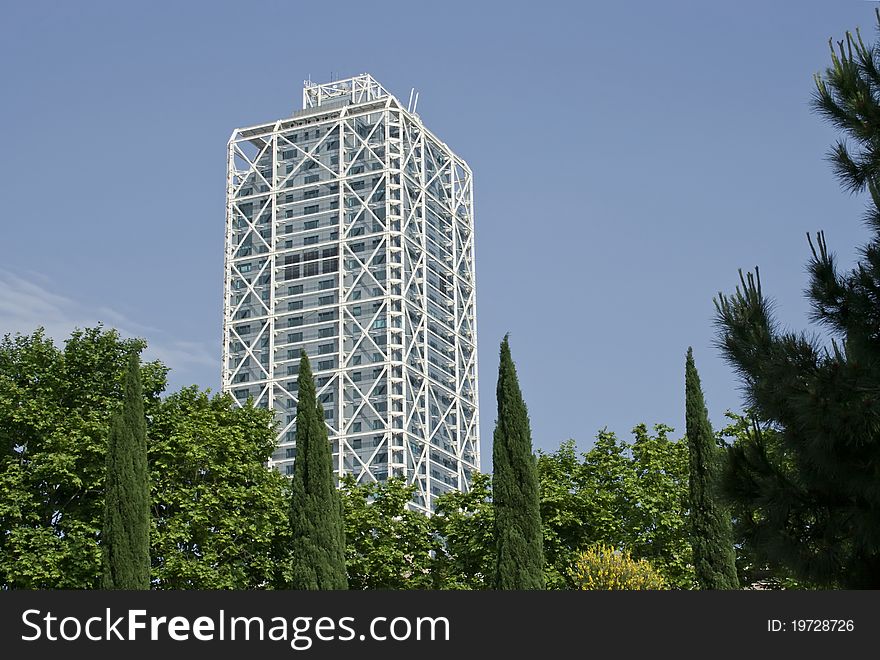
(376, 281)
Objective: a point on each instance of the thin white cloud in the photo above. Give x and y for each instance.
(26, 304)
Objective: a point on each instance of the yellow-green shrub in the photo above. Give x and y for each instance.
(602, 567)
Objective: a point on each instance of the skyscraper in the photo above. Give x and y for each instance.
(349, 234)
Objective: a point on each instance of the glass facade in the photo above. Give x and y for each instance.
(349, 234)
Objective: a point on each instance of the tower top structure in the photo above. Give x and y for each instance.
(357, 89)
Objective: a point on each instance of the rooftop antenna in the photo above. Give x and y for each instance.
(409, 105)
(415, 103)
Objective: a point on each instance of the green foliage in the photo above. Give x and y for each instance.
(657, 529)
(601, 567)
(813, 487)
(465, 527)
(710, 529)
(632, 496)
(55, 411)
(316, 520)
(389, 546)
(125, 537)
(518, 534)
(219, 516)
(753, 569)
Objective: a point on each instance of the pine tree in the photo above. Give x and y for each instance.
(518, 535)
(811, 487)
(126, 533)
(318, 546)
(711, 535)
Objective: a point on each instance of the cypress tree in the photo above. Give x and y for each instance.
(126, 532)
(318, 547)
(518, 535)
(711, 534)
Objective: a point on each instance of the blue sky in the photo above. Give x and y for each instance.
(628, 159)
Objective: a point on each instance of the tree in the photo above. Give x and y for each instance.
(465, 527)
(316, 520)
(710, 526)
(389, 546)
(752, 568)
(220, 518)
(518, 537)
(813, 486)
(656, 528)
(125, 537)
(55, 411)
(630, 496)
(582, 502)
(602, 567)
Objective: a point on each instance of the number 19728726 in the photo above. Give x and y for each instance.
(821, 625)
